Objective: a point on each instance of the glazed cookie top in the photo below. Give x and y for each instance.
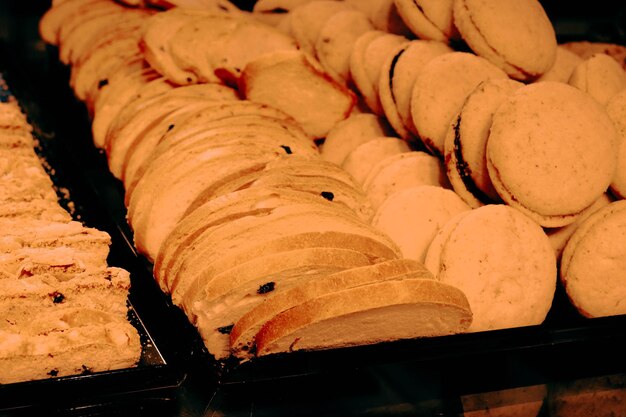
(515, 35)
(551, 152)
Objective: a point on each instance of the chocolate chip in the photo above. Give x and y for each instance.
(265, 288)
(328, 195)
(102, 83)
(57, 297)
(225, 329)
(170, 127)
(53, 372)
(86, 370)
(287, 149)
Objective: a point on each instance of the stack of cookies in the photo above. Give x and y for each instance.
(456, 134)
(64, 311)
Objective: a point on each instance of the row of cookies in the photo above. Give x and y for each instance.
(232, 202)
(64, 311)
(420, 86)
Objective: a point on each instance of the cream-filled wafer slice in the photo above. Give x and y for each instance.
(440, 90)
(616, 109)
(375, 313)
(217, 211)
(564, 65)
(592, 265)
(350, 133)
(25, 300)
(33, 233)
(429, 19)
(600, 76)
(465, 143)
(402, 171)
(361, 160)
(73, 351)
(40, 209)
(308, 20)
(336, 39)
(412, 217)
(307, 94)
(296, 220)
(516, 36)
(247, 326)
(540, 181)
(397, 76)
(369, 53)
(61, 262)
(502, 261)
(219, 303)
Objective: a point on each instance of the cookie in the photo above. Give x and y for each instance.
(466, 142)
(440, 90)
(428, 19)
(616, 108)
(361, 159)
(517, 36)
(502, 261)
(412, 217)
(564, 65)
(569, 152)
(600, 76)
(592, 265)
(402, 171)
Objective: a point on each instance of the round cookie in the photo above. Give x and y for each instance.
(616, 108)
(502, 261)
(361, 160)
(593, 266)
(600, 76)
(397, 78)
(551, 152)
(563, 67)
(466, 142)
(412, 217)
(428, 19)
(440, 90)
(515, 35)
(350, 133)
(402, 171)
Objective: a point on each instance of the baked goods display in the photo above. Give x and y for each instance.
(64, 310)
(449, 149)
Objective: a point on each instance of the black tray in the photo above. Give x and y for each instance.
(566, 346)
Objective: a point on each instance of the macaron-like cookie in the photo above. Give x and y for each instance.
(402, 171)
(515, 35)
(559, 236)
(440, 89)
(397, 77)
(593, 265)
(502, 261)
(466, 142)
(362, 159)
(350, 133)
(428, 19)
(600, 76)
(412, 217)
(551, 152)
(563, 67)
(616, 108)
